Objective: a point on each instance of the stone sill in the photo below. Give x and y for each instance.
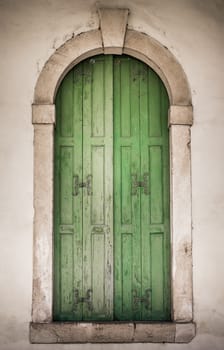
(111, 332)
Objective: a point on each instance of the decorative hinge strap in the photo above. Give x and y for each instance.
(87, 299)
(87, 184)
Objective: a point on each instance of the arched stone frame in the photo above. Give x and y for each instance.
(113, 37)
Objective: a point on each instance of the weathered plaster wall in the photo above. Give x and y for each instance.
(30, 32)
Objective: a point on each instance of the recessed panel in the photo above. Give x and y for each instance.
(126, 199)
(98, 184)
(157, 271)
(126, 256)
(125, 114)
(66, 185)
(156, 184)
(98, 273)
(66, 119)
(98, 102)
(67, 296)
(155, 129)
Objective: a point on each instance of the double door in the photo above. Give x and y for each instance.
(111, 195)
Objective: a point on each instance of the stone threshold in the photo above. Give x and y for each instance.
(111, 332)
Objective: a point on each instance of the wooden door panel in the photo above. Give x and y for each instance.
(84, 216)
(141, 217)
(66, 182)
(98, 200)
(156, 185)
(125, 302)
(98, 89)
(66, 273)
(155, 118)
(98, 207)
(67, 226)
(66, 101)
(126, 205)
(125, 180)
(157, 271)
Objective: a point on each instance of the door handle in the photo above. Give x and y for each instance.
(77, 185)
(136, 184)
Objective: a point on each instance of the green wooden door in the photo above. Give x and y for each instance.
(141, 193)
(111, 236)
(83, 219)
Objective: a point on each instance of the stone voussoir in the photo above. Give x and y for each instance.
(113, 23)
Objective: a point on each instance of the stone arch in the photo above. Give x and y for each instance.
(135, 44)
(113, 37)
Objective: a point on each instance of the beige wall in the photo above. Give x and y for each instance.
(31, 30)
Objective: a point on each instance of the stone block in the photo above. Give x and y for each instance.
(154, 333)
(180, 115)
(113, 23)
(185, 332)
(43, 114)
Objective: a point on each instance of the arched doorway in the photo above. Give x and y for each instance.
(114, 39)
(111, 198)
